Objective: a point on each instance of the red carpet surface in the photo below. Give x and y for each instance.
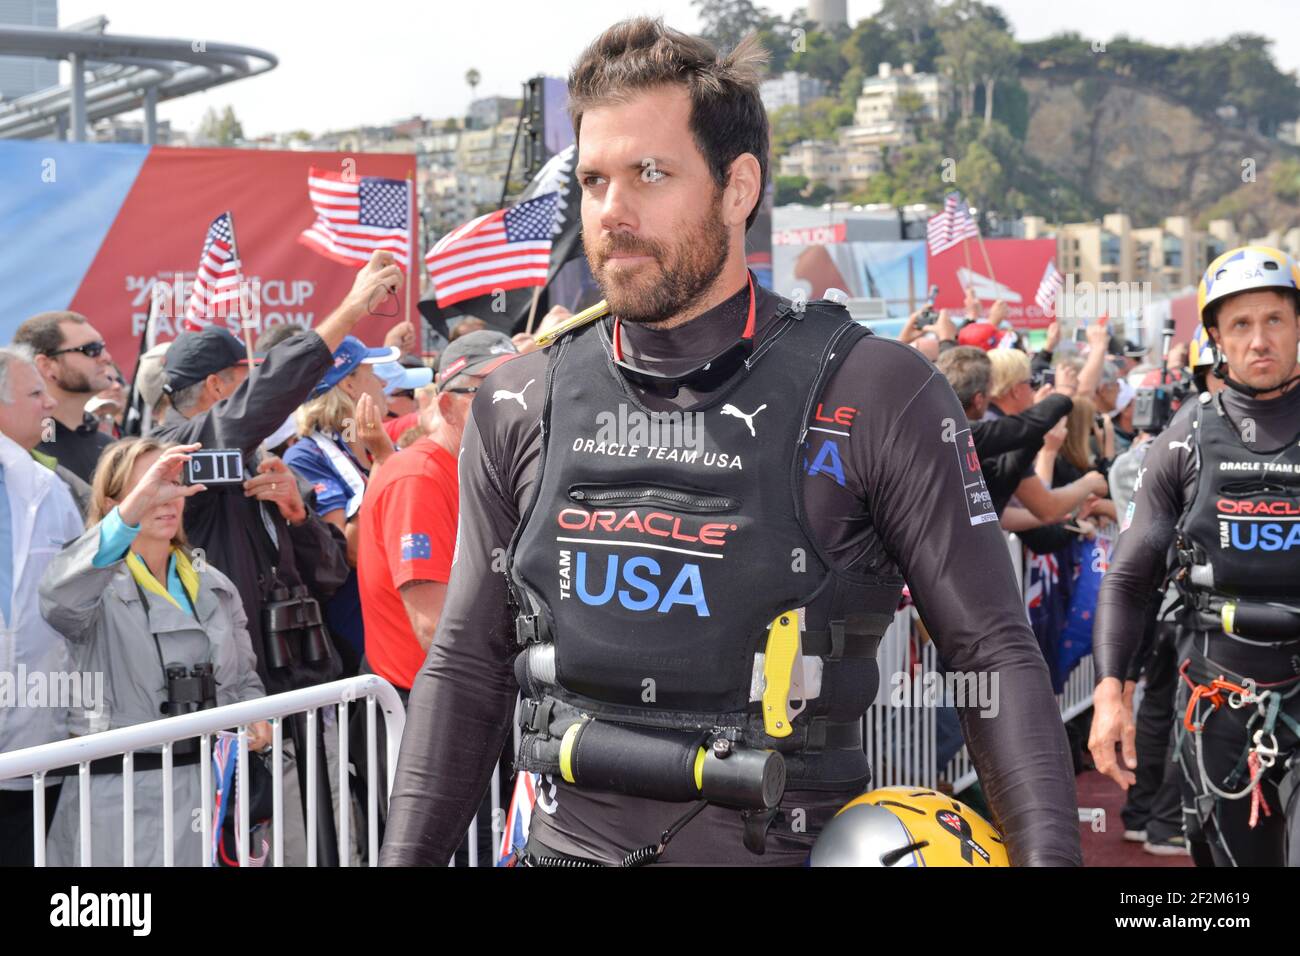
(1108, 847)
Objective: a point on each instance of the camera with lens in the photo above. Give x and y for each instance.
(1154, 407)
(294, 627)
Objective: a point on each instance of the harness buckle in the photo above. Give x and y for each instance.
(1267, 753)
(528, 629)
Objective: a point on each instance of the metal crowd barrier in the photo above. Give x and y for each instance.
(900, 741)
(35, 762)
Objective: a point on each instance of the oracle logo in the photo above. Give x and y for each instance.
(1275, 508)
(659, 524)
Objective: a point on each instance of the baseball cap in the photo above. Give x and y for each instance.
(404, 376)
(348, 357)
(982, 335)
(150, 377)
(1126, 395)
(196, 355)
(476, 353)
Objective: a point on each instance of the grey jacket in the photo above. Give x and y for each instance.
(109, 631)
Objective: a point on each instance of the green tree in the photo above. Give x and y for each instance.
(911, 25)
(851, 86)
(724, 23)
(868, 46)
(220, 129)
(821, 57)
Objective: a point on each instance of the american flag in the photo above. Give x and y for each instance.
(1048, 289)
(506, 249)
(357, 215)
(951, 226)
(518, 817)
(215, 292)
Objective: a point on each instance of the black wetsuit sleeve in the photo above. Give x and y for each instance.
(961, 579)
(467, 681)
(1140, 559)
(1013, 432)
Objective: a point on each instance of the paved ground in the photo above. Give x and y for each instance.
(1108, 848)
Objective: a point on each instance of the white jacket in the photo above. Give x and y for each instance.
(43, 518)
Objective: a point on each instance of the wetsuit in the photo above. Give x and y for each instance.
(885, 492)
(1217, 828)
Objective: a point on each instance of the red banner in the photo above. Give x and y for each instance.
(160, 227)
(1012, 272)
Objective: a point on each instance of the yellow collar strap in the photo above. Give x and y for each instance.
(184, 570)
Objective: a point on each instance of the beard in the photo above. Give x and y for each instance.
(679, 276)
(77, 383)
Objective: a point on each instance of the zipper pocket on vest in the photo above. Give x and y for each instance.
(676, 498)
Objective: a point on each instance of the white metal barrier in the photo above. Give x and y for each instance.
(901, 740)
(36, 762)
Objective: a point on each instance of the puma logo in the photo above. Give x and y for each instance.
(1185, 444)
(735, 412)
(501, 394)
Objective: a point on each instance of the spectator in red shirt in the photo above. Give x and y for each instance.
(408, 518)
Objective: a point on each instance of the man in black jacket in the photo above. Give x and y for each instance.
(1007, 443)
(215, 401)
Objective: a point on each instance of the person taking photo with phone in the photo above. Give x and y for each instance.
(167, 631)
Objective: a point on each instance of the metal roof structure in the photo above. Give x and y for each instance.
(114, 74)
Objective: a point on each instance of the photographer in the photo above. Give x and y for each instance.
(269, 552)
(168, 633)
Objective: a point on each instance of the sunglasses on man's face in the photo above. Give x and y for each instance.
(90, 350)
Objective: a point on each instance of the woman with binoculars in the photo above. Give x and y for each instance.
(167, 631)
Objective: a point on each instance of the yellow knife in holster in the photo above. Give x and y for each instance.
(779, 660)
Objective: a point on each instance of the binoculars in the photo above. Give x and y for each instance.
(294, 628)
(189, 690)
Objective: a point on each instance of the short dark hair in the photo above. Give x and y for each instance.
(968, 370)
(275, 335)
(42, 333)
(728, 118)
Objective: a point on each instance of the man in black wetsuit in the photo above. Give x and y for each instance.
(1221, 486)
(816, 468)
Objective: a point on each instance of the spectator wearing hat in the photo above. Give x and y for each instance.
(340, 442)
(75, 363)
(1122, 416)
(262, 535)
(402, 383)
(409, 519)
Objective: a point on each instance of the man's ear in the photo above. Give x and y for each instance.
(741, 194)
(214, 386)
(44, 365)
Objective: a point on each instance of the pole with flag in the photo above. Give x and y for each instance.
(1049, 288)
(218, 282)
(413, 285)
(502, 250)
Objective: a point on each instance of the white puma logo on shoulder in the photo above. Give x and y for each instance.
(735, 412)
(501, 394)
(1185, 444)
